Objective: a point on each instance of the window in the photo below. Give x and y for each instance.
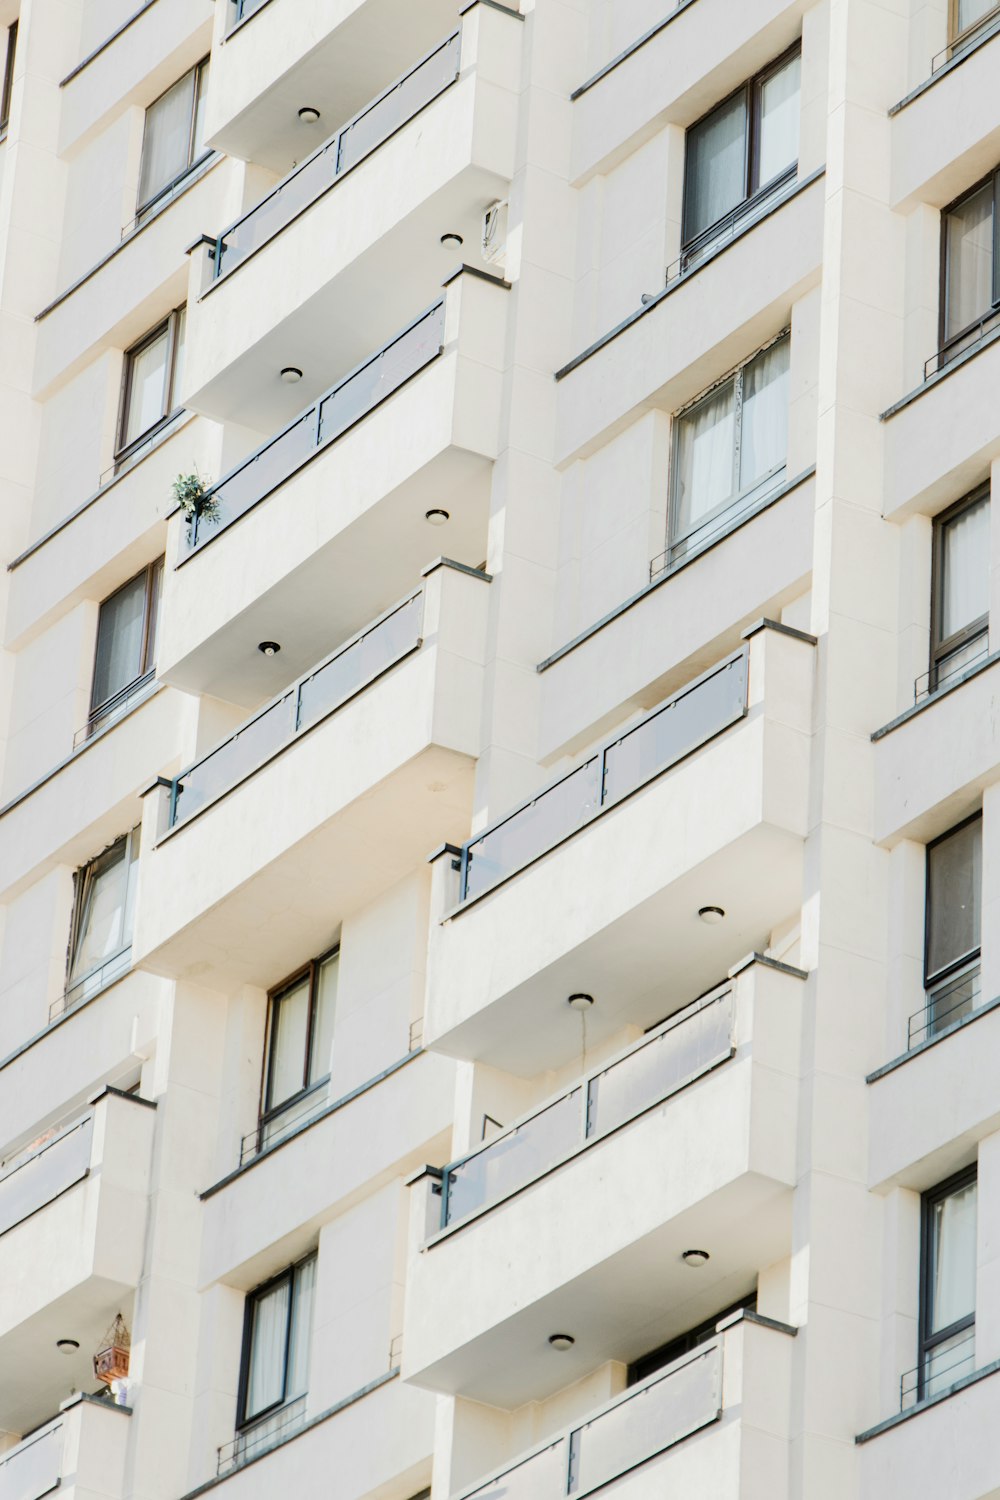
(173, 140)
(969, 20)
(729, 450)
(960, 604)
(970, 281)
(104, 906)
(125, 660)
(743, 150)
(665, 1355)
(276, 1337)
(299, 1038)
(951, 936)
(150, 382)
(8, 78)
(947, 1284)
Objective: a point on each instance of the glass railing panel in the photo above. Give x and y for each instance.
(235, 495)
(541, 1477)
(236, 757)
(534, 828)
(364, 388)
(684, 1051)
(59, 1164)
(683, 724)
(646, 1422)
(400, 103)
(514, 1158)
(32, 1469)
(243, 9)
(360, 662)
(279, 208)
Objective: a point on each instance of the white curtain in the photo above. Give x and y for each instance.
(704, 473)
(764, 436)
(971, 11)
(147, 393)
(953, 1294)
(969, 261)
(715, 169)
(965, 581)
(119, 640)
(326, 1007)
(955, 877)
(166, 140)
(779, 122)
(268, 1336)
(301, 1339)
(101, 912)
(289, 1030)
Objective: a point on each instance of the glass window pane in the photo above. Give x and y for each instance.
(715, 173)
(965, 568)
(177, 373)
(764, 440)
(155, 589)
(101, 898)
(166, 139)
(301, 1336)
(287, 1062)
(325, 1008)
(131, 881)
(969, 251)
(201, 100)
(971, 11)
(704, 468)
(268, 1340)
(954, 880)
(147, 388)
(952, 1268)
(120, 624)
(778, 141)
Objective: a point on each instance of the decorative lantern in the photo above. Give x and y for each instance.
(111, 1360)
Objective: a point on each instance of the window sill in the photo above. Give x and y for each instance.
(967, 51)
(958, 363)
(935, 697)
(927, 1403)
(932, 1041)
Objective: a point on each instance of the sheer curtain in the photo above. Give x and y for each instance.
(147, 388)
(955, 878)
(953, 1250)
(965, 568)
(969, 261)
(268, 1336)
(166, 139)
(779, 122)
(715, 177)
(323, 1018)
(289, 1030)
(101, 911)
(764, 434)
(971, 11)
(119, 641)
(704, 461)
(301, 1337)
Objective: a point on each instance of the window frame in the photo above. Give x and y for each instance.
(270, 1111)
(132, 835)
(946, 342)
(955, 37)
(750, 89)
(153, 594)
(952, 969)
(169, 410)
(8, 77)
(941, 648)
(143, 208)
(928, 1342)
(289, 1275)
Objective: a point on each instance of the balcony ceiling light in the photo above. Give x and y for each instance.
(451, 238)
(269, 648)
(711, 914)
(291, 374)
(561, 1341)
(67, 1346)
(308, 114)
(436, 516)
(696, 1258)
(580, 1002)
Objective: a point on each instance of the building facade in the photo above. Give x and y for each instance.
(499, 761)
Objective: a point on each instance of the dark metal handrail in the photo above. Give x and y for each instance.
(741, 507)
(726, 229)
(976, 334)
(310, 1102)
(91, 984)
(116, 707)
(913, 1383)
(933, 680)
(961, 994)
(261, 1436)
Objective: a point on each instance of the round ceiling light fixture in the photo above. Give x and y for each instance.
(580, 1001)
(451, 238)
(561, 1341)
(711, 914)
(436, 516)
(308, 114)
(67, 1346)
(696, 1258)
(291, 375)
(269, 648)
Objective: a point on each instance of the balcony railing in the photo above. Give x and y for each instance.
(680, 1050)
(242, 10)
(285, 1121)
(742, 217)
(343, 404)
(33, 1468)
(968, 40)
(947, 1004)
(940, 1370)
(91, 984)
(682, 724)
(117, 707)
(34, 1182)
(349, 669)
(263, 1435)
(645, 1421)
(379, 120)
(976, 336)
(720, 523)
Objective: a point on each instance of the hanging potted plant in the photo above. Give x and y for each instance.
(190, 493)
(111, 1359)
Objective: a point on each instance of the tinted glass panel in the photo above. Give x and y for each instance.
(268, 1342)
(952, 1263)
(965, 568)
(971, 11)
(969, 252)
(120, 633)
(325, 1009)
(289, 1033)
(515, 1158)
(778, 141)
(147, 388)
(715, 173)
(166, 141)
(954, 892)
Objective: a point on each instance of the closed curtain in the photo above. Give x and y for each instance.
(965, 569)
(704, 467)
(778, 145)
(120, 631)
(969, 255)
(166, 141)
(715, 175)
(268, 1342)
(953, 1252)
(764, 437)
(955, 876)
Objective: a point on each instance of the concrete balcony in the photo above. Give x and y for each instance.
(946, 134)
(588, 885)
(687, 1138)
(340, 253)
(287, 552)
(339, 1149)
(947, 1448)
(72, 1236)
(328, 796)
(702, 324)
(716, 1423)
(81, 1453)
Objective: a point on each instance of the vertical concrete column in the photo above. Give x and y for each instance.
(900, 1293)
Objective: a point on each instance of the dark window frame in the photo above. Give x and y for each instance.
(154, 583)
(80, 891)
(750, 89)
(928, 1342)
(171, 323)
(684, 1343)
(941, 649)
(952, 969)
(946, 341)
(243, 1422)
(269, 1110)
(142, 208)
(8, 77)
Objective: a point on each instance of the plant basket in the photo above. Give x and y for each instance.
(111, 1361)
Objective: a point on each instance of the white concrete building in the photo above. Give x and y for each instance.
(500, 749)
